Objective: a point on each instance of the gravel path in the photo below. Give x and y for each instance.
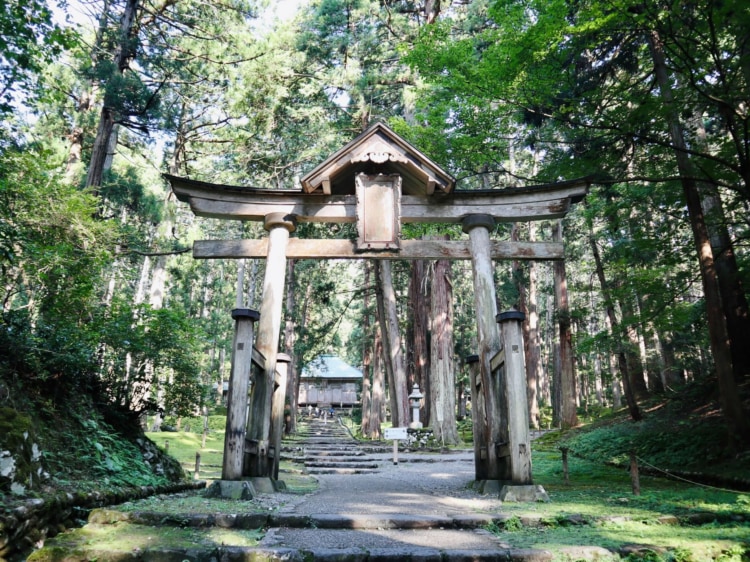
(420, 484)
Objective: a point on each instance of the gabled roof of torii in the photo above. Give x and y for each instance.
(378, 151)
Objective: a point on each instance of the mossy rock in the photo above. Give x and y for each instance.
(20, 454)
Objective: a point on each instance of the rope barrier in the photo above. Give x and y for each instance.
(667, 473)
(676, 477)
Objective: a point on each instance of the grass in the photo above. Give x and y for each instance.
(189, 504)
(126, 537)
(727, 543)
(184, 445)
(608, 514)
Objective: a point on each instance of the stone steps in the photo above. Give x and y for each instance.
(328, 448)
(325, 538)
(341, 464)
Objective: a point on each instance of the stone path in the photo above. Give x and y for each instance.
(419, 509)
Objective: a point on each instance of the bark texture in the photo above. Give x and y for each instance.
(442, 372)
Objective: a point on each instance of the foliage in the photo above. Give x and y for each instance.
(52, 254)
(682, 433)
(151, 359)
(28, 40)
(68, 443)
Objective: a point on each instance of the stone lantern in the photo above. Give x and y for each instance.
(415, 399)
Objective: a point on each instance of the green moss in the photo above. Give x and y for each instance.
(49, 554)
(126, 537)
(17, 437)
(13, 425)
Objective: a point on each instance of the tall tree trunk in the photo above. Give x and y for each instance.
(386, 364)
(533, 340)
(378, 385)
(442, 373)
(392, 344)
(420, 328)
(733, 298)
(630, 397)
(738, 424)
(523, 306)
(291, 374)
(158, 282)
(568, 415)
(545, 392)
(431, 11)
(366, 354)
(632, 350)
(124, 51)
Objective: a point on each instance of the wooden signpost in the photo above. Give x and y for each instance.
(379, 181)
(396, 434)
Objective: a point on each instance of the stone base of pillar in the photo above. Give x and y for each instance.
(488, 487)
(267, 485)
(231, 489)
(523, 493)
(415, 425)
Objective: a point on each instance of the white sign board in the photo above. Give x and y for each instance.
(395, 433)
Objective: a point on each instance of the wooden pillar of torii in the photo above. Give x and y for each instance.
(379, 182)
(260, 456)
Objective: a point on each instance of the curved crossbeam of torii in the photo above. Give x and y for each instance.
(379, 181)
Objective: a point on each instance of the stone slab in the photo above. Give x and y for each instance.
(489, 487)
(264, 485)
(391, 521)
(437, 539)
(231, 489)
(523, 493)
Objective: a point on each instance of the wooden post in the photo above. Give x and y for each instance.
(515, 403)
(478, 419)
(277, 410)
(239, 381)
(205, 426)
(635, 478)
(278, 225)
(197, 465)
(478, 227)
(566, 478)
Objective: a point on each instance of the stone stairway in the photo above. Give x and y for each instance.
(328, 448)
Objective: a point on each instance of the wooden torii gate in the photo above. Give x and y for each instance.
(378, 181)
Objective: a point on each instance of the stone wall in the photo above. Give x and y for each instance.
(25, 526)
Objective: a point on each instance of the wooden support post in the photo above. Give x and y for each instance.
(515, 404)
(635, 479)
(566, 478)
(258, 432)
(277, 410)
(197, 465)
(239, 381)
(478, 419)
(478, 227)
